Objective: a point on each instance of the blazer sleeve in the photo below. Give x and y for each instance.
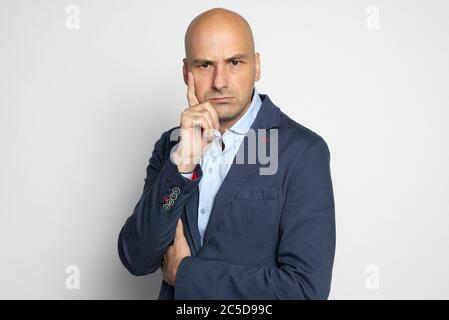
(306, 245)
(150, 229)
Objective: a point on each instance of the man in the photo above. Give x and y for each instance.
(221, 229)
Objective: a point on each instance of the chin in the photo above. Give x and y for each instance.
(227, 117)
(226, 112)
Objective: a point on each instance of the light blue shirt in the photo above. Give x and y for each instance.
(216, 162)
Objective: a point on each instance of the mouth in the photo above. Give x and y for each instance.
(221, 99)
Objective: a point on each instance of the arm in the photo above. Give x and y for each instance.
(306, 245)
(150, 229)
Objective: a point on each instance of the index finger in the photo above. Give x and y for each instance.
(191, 96)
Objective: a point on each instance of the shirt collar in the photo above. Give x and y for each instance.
(243, 125)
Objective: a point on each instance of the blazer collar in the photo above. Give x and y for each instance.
(268, 115)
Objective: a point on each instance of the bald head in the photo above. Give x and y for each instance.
(221, 56)
(218, 20)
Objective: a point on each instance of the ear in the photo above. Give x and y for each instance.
(257, 66)
(185, 70)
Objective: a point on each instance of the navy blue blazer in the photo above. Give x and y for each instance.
(268, 237)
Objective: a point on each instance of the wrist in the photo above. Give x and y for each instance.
(186, 168)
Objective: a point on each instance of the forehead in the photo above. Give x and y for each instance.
(216, 43)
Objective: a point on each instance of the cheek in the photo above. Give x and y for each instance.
(201, 88)
(243, 81)
(243, 89)
(203, 82)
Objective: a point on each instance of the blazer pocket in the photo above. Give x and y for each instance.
(257, 194)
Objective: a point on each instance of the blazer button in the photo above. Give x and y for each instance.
(170, 202)
(176, 190)
(166, 207)
(173, 196)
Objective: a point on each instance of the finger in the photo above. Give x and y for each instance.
(191, 96)
(204, 114)
(214, 114)
(207, 133)
(199, 119)
(210, 120)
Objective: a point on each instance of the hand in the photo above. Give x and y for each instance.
(175, 253)
(197, 124)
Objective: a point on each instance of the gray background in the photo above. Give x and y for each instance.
(81, 109)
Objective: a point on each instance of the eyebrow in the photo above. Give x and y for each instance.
(239, 56)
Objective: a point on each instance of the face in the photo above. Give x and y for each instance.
(224, 66)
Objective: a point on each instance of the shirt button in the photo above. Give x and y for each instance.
(203, 211)
(210, 170)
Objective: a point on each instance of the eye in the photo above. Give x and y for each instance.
(235, 62)
(204, 65)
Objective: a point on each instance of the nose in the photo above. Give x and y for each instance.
(220, 80)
